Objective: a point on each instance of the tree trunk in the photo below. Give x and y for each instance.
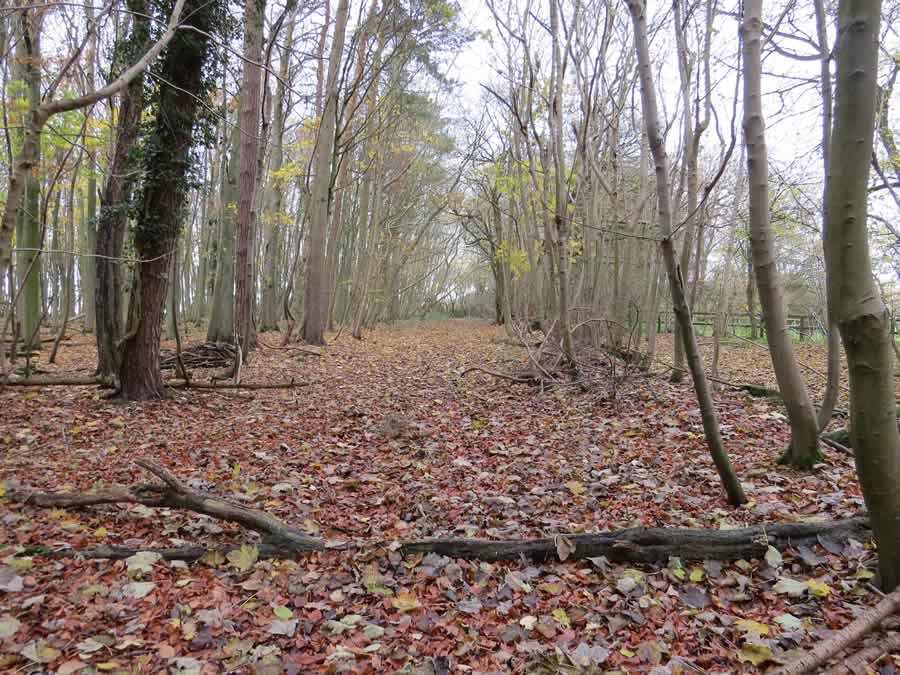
(316, 291)
(221, 320)
(162, 200)
(852, 295)
(676, 284)
(832, 386)
(804, 447)
(28, 225)
(249, 122)
(113, 220)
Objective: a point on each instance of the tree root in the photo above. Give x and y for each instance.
(853, 632)
(281, 539)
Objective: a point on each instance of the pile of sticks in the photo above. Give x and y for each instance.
(205, 355)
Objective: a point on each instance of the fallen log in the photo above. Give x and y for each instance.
(827, 649)
(184, 384)
(55, 382)
(639, 544)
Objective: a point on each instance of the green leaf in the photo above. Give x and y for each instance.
(789, 622)
(283, 613)
(697, 575)
(244, 558)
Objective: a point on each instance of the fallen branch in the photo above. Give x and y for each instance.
(293, 384)
(631, 545)
(55, 382)
(826, 650)
(500, 376)
(172, 493)
(862, 661)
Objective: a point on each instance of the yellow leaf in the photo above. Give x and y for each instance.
(754, 627)
(108, 665)
(213, 558)
(576, 488)
(100, 532)
(244, 558)
(818, 589)
(560, 616)
(755, 654)
(697, 574)
(406, 602)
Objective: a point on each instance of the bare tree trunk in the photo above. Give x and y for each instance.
(804, 448)
(832, 386)
(221, 319)
(676, 284)
(857, 305)
(316, 291)
(249, 121)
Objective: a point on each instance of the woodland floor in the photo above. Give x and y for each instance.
(391, 443)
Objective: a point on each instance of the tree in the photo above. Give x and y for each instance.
(316, 292)
(804, 447)
(852, 293)
(113, 218)
(676, 282)
(158, 220)
(254, 11)
(28, 154)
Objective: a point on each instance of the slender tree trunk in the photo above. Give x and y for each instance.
(162, 200)
(316, 291)
(221, 320)
(857, 305)
(28, 225)
(676, 284)
(804, 448)
(249, 122)
(832, 386)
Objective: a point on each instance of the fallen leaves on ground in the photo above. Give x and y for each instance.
(392, 444)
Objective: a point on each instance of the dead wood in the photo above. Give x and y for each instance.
(182, 384)
(629, 545)
(861, 662)
(55, 382)
(500, 376)
(826, 650)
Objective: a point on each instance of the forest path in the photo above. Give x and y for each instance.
(392, 443)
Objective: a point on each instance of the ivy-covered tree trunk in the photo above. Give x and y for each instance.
(852, 294)
(167, 157)
(113, 219)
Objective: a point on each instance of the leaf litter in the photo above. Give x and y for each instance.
(393, 444)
